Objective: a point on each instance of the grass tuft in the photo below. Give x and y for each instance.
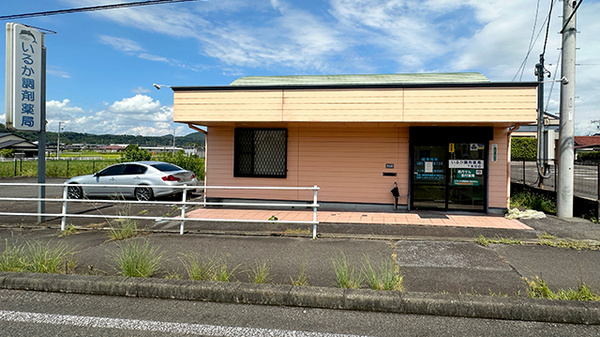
(123, 228)
(224, 274)
(302, 279)
(260, 273)
(538, 288)
(13, 258)
(70, 229)
(385, 276)
(346, 275)
(138, 260)
(36, 257)
(546, 236)
(127, 229)
(211, 270)
(569, 244)
(482, 240)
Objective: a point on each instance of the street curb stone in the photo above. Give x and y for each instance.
(471, 306)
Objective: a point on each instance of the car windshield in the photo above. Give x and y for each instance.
(166, 167)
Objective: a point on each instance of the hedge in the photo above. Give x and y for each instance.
(589, 156)
(523, 149)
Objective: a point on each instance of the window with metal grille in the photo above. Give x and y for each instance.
(260, 153)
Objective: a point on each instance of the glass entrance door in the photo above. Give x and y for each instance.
(466, 185)
(429, 177)
(451, 176)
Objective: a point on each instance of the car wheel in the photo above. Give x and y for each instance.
(143, 193)
(74, 192)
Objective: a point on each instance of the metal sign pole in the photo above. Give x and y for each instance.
(42, 143)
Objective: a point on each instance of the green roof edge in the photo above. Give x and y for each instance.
(362, 79)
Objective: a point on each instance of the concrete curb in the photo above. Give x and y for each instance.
(470, 306)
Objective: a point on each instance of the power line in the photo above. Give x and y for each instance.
(553, 81)
(571, 17)
(547, 28)
(531, 41)
(531, 45)
(92, 8)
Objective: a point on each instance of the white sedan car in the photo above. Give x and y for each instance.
(141, 175)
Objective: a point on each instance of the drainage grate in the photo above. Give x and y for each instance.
(433, 216)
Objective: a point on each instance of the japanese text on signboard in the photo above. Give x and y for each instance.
(24, 96)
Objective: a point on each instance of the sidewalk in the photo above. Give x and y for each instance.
(378, 218)
(439, 259)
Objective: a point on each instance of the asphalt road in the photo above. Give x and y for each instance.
(48, 314)
(585, 178)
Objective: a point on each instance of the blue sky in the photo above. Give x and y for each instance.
(101, 65)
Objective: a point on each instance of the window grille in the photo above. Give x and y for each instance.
(260, 153)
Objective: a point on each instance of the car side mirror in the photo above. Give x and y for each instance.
(97, 174)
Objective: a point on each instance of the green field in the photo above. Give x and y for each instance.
(70, 165)
(79, 154)
(54, 168)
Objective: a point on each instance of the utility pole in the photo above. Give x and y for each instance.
(566, 153)
(60, 125)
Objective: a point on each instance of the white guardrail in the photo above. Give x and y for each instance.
(183, 204)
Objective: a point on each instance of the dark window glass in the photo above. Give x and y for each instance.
(134, 169)
(260, 153)
(166, 167)
(112, 170)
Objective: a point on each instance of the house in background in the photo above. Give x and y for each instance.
(113, 148)
(586, 144)
(22, 148)
(442, 138)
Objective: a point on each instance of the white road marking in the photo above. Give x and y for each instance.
(142, 325)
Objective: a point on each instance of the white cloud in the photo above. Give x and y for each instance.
(141, 90)
(122, 44)
(133, 48)
(57, 72)
(137, 115)
(130, 47)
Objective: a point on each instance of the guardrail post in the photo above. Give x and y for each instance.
(315, 188)
(63, 221)
(184, 199)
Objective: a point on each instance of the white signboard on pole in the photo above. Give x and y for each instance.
(23, 77)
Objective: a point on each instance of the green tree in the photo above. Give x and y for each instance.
(134, 153)
(7, 153)
(188, 162)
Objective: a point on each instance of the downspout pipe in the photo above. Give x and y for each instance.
(509, 133)
(192, 126)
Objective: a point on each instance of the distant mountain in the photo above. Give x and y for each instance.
(196, 139)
